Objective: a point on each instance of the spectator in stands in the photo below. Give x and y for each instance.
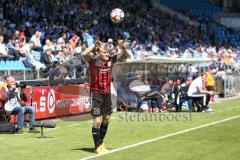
(164, 36)
(65, 58)
(54, 73)
(212, 51)
(62, 38)
(197, 91)
(14, 48)
(15, 99)
(3, 48)
(155, 48)
(74, 41)
(88, 38)
(48, 44)
(57, 73)
(37, 45)
(34, 59)
(187, 54)
(21, 39)
(79, 48)
(47, 58)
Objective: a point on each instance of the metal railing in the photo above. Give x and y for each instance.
(231, 86)
(227, 85)
(38, 75)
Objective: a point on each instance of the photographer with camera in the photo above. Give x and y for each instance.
(14, 104)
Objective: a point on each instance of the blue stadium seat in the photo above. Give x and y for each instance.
(18, 65)
(3, 65)
(8, 65)
(12, 66)
(21, 65)
(198, 8)
(37, 55)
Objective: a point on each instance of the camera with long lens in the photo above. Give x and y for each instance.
(21, 85)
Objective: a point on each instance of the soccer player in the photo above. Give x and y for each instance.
(101, 59)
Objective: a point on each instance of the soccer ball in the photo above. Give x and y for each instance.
(117, 15)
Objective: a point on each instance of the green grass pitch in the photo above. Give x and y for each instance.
(72, 139)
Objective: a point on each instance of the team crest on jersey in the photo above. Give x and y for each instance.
(109, 64)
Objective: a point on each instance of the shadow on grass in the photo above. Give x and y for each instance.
(45, 137)
(91, 150)
(39, 137)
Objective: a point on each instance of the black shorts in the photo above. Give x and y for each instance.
(101, 104)
(210, 88)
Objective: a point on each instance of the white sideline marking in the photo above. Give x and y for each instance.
(161, 137)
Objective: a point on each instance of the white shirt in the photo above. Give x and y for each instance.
(155, 48)
(193, 88)
(60, 40)
(36, 40)
(12, 103)
(139, 87)
(45, 47)
(3, 49)
(193, 69)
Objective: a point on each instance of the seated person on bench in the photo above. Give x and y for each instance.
(166, 90)
(14, 98)
(183, 94)
(144, 92)
(176, 95)
(197, 92)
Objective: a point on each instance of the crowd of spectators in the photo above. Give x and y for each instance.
(61, 30)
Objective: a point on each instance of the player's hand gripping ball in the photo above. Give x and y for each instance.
(117, 15)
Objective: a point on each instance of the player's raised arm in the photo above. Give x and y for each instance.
(89, 52)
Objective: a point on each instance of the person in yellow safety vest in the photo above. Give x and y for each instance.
(210, 84)
(3, 83)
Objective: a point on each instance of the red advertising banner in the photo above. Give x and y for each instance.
(61, 100)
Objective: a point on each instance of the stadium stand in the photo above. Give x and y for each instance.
(204, 10)
(68, 27)
(197, 8)
(36, 34)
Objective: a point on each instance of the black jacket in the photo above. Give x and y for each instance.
(45, 59)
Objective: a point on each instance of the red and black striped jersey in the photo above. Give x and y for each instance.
(100, 72)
